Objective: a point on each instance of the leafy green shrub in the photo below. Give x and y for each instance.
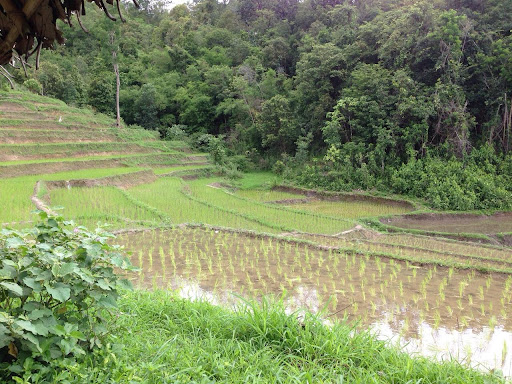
(57, 288)
(230, 171)
(175, 132)
(278, 167)
(449, 184)
(240, 162)
(483, 181)
(33, 85)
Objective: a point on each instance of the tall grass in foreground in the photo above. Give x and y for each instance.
(169, 340)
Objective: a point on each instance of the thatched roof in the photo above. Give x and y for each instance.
(26, 26)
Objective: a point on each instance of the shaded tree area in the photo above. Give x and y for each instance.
(368, 89)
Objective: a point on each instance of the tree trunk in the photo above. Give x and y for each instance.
(118, 82)
(118, 86)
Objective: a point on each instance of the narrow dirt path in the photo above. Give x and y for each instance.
(40, 204)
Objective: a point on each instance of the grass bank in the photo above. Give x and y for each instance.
(170, 340)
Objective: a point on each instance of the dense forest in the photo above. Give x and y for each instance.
(402, 96)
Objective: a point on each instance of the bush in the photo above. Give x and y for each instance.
(33, 86)
(175, 132)
(57, 288)
(449, 184)
(278, 167)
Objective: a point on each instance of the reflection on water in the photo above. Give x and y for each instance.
(486, 349)
(434, 311)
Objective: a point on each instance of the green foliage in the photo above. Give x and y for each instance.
(376, 80)
(454, 185)
(175, 132)
(101, 94)
(57, 289)
(258, 343)
(146, 107)
(276, 125)
(51, 80)
(33, 85)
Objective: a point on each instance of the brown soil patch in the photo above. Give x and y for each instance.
(13, 107)
(507, 240)
(30, 116)
(194, 159)
(31, 138)
(221, 186)
(339, 196)
(122, 181)
(455, 223)
(54, 126)
(64, 153)
(186, 164)
(40, 168)
(291, 201)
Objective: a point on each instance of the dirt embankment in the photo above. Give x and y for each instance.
(67, 152)
(457, 223)
(292, 201)
(507, 240)
(122, 181)
(20, 136)
(341, 196)
(16, 170)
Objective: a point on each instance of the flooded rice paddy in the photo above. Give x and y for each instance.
(455, 223)
(432, 310)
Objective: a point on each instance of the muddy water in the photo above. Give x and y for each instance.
(435, 311)
(462, 223)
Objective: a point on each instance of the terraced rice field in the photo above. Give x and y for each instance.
(456, 223)
(190, 230)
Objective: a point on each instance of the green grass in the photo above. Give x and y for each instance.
(39, 135)
(169, 340)
(23, 97)
(15, 193)
(279, 217)
(100, 203)
(352, 209)
(165, 195)
(177, 168)
(258, 180)
(134, 157)
(267, 195)
(68, 149)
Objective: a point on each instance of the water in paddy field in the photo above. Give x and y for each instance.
(429, 310)
(456, 223)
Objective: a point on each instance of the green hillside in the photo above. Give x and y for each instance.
(357, 257)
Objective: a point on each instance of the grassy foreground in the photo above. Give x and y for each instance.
(166, 339)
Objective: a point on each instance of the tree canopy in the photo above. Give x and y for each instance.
(363, 85)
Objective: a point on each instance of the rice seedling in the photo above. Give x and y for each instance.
(278, 217)
(410, 278)
(15, 193)
(35, 151)
(352, 209)
(165, 196)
